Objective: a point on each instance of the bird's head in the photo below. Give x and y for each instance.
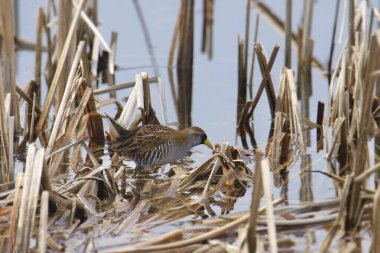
(197, 136)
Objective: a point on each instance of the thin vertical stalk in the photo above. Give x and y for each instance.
(288, 35)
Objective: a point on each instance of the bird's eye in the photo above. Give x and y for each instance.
(203, 137)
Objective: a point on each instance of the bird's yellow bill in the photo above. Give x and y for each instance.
(208, 144)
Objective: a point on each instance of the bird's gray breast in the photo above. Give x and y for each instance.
(165, 153)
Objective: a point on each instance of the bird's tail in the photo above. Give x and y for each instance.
(116, 129)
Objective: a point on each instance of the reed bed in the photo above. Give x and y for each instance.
(68, 198)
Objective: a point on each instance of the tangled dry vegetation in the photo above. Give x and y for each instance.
(68, 198)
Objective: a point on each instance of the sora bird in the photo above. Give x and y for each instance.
(155, 145)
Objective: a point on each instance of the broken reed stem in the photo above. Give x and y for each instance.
(266, 82)
(351, 30)
(360, 161)
(65, 98)
(246, 41)
(242, 87)
(288, 35)
(259, 93)
(253, 57)
(11, 148)
(38, 55)
(255, 202)
(58, 73)
(95, 126)
(274, 20)
(64, 18)
(207, 30)
(267, 188)
(332, 46)
(111, 62)
(219, 231)
(319, 121)
(185, 63)
(15, 211)
(43, 226)
(306, 29)
(7, 54)
(376, 222)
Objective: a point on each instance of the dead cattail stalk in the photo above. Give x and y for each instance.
(15, 211)
(253, 57)
(287, 103)
(69, 131)
(265, 71)
(243, 123)
(288, 35)
(111, 63)
(38, 55)
(360, 161)
(242, 80)
(95, 126)
(64, 19)
(332, 46)
(274, 20)
(7, 46)
(43, 226)
(30, 192)
(185, 63)
(147, 112)
(202, 237)
(207, 30)
(320, 113)
(60, 67)
(65, 98)
(246, 40)
(255, 202)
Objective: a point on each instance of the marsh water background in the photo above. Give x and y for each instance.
(214, 81)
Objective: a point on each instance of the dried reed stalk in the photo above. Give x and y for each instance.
(255, 203)
(65, 98)
(355, 201)
(265, 72)
(253, 57)
(69, 131)
(111, 63)
(43, 226)
(95, 126)
(15, 211)
(59, 71)
(7, 44)
(288, 35)
(219, 231)
(38, 55)
(207, 27)
(30, 193)
(242, 80)
(64, 19)
(279, 25)
(319, 121)
(243, 124)
(332, 46)
(287, 102)
(185, 63)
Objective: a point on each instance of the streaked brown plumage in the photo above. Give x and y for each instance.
(154, 145)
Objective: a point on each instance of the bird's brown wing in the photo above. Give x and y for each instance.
(143, 139)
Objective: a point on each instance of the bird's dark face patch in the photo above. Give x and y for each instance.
(203, 138)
